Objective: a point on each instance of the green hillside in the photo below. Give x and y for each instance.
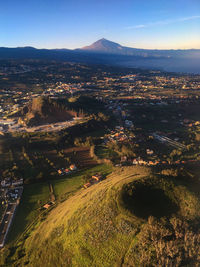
(110, 224)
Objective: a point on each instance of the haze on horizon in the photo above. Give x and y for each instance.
(155, 24)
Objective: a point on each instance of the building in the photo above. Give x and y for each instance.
(97, 177)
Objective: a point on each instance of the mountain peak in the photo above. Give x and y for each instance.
(103, 39)
(104, 46)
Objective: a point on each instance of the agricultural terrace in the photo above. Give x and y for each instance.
(37, 158)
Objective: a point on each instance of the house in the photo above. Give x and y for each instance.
(135, 162)
(59, 171)
(17, 182)
(124, 159)
(6, 182)
(151, 163)
(73, 167)
(128, 123)
(97, 177)
(141, 162)
(149, 152)
(46, 206)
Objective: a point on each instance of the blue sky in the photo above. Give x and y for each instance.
(76, 23)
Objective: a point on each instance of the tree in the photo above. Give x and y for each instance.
(86, 178)
(39, 176)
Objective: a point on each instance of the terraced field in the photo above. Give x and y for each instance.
(80, 156)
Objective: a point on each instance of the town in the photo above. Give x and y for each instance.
(10, 195)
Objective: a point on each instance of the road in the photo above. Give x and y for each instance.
(48, 127)
(6, 222)
(8, 218)
(169, 141)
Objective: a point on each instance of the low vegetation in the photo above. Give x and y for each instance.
(96, 227)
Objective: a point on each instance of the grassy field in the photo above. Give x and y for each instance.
(94, 228)
(38, 166)
(2, 209)
(33, 197)
(64, 187)
(80, 156)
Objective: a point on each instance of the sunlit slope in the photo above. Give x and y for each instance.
(97, 226)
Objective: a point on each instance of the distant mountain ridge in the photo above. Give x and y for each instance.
(105, 46)
(110, 53)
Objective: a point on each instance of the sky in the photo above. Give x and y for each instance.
(160, 24)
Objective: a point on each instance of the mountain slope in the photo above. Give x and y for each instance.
(95, 227)
(110, 53)
(109, 47)
(105, 46)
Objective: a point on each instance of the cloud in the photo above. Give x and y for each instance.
(162, 22)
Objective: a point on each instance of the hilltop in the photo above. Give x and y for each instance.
(109, 224)
(106, 46)
(42, 110)
(45, 110)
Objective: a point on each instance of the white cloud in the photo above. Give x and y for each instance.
(161, 22)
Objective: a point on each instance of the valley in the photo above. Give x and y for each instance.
(108, 159)
(100, 133)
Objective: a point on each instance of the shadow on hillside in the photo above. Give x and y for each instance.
(145, 200)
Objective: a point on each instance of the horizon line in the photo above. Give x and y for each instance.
(80, 48)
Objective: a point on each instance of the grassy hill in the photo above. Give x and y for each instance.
(110, 224)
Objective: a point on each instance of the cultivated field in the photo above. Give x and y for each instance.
(80, 156)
